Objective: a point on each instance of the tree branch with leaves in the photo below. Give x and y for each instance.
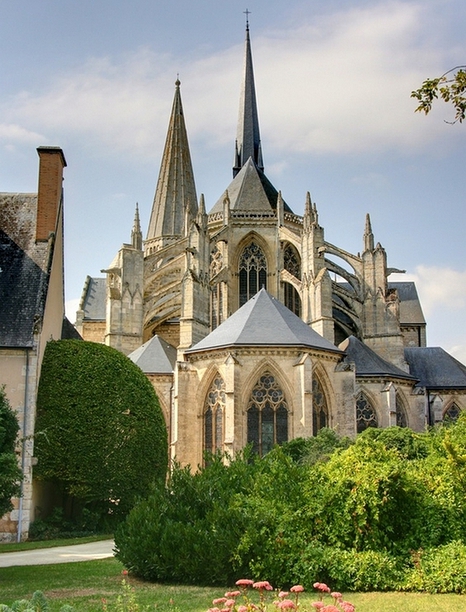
(450, 87)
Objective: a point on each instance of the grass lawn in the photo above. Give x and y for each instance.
(85, 584)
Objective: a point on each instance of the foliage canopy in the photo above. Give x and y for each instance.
(450, 87)
(387, 512)
(10, 473)
(100, 433)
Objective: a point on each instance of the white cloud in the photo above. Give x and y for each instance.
(71, 306)
(11, 134)
(340, 84)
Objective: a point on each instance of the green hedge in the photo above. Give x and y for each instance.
(100, 433)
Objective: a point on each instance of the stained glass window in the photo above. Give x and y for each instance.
(267, 415)
(213, 416)
(252, 272)
(319, 407)
(365, 414)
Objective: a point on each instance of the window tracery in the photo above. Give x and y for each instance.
(267, 415)
(252, 272)
(213, 416)
(319, 407)
(365, 413)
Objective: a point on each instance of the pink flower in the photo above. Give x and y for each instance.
(347, 606)
(283, 594)
(219, 600)
(330, 608)
(229, 603)
(318, 605)
(124, 572)
(263, 585)
(336, 595)
(242, 609)
(321, 586)
(232, 594)
(286, 604)
(244, 582)
(297, 588)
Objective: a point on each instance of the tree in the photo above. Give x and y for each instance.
(10, 473)
(451, 87)
(100, 433)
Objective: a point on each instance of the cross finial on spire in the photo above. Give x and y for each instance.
(247, 12)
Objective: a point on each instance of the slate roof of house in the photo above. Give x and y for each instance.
(24, 270)
(435, 368)
(368, 363)
(155, 356)
(93, 298)
(250, 191)
(264, 321)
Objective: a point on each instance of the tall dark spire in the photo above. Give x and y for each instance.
(175, 201)
(248, 142)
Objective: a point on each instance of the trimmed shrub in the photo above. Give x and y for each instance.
(10, 473)
(100, 433)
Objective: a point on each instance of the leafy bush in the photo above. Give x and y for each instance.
(187, 532)
(10, 473)
(352, 519)
(439, 570)
(37, 603)
(100, 433)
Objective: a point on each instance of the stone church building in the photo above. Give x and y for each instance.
(251, 326)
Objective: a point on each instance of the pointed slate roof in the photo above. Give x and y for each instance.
(250, 191)
(176, 192)
(155, 356)
(435, 368)
(248, 141)
(368, 363)
(264, 321)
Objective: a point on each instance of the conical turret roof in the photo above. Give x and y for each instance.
(264, 321)
(175, 198)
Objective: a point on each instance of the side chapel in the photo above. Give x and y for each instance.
(249, 328)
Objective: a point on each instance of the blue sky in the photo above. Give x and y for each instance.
(333, 81)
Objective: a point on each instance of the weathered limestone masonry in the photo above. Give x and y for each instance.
(262, 330)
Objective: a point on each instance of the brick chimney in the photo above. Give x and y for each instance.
(51, 164)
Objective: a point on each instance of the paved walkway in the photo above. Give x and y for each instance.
(59, 554)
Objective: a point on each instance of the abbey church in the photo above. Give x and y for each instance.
(252, 328)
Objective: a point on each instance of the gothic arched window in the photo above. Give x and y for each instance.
(291, 261)
(252, 272)
(365, 414)
(292, 264)
(216, 305)
(267, 415)
(401, 419)
(213, 416)
(319, 407)
(452, 413)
